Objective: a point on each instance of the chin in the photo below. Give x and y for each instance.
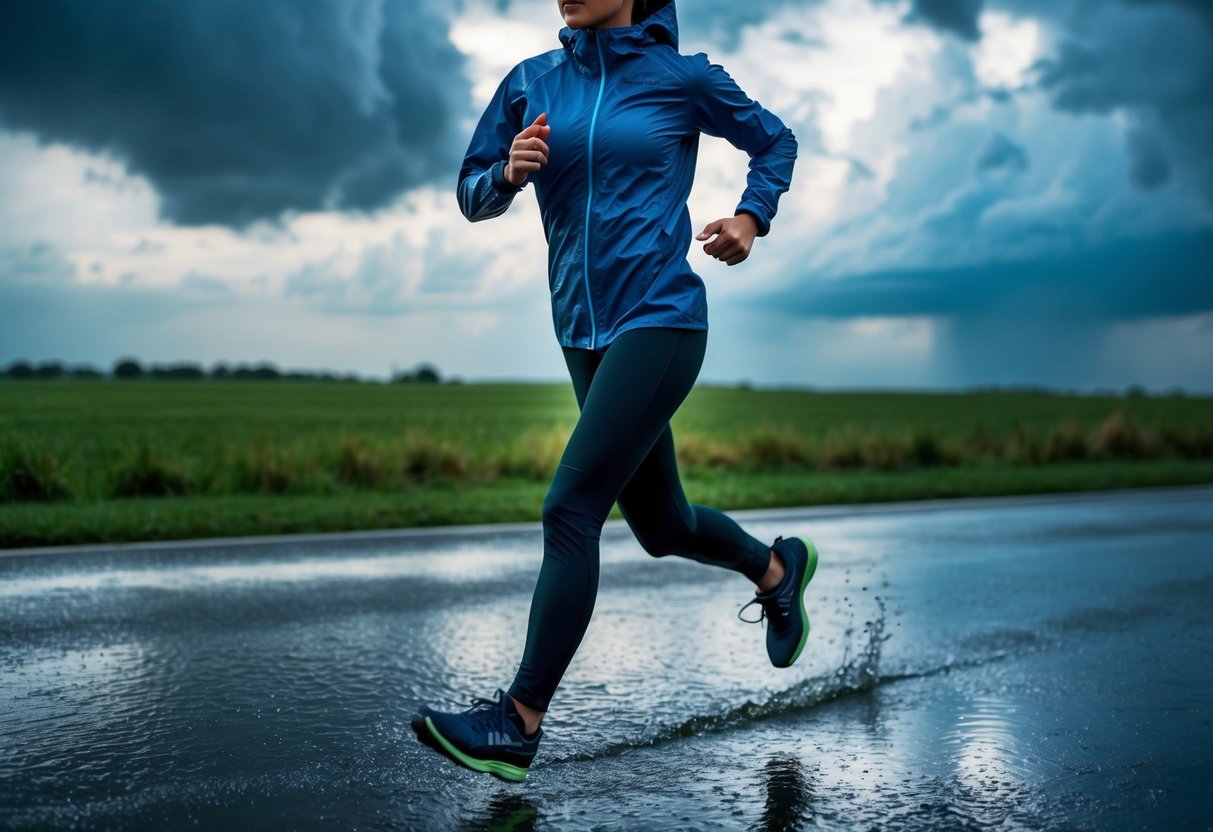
(573, 18)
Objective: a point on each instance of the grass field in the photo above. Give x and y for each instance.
(113, 461)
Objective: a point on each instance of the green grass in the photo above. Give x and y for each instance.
(120, 461)
(149, 518)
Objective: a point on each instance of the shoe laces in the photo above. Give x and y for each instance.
(773, 605)
(489, 713)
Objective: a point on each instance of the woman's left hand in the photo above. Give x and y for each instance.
(734, 238)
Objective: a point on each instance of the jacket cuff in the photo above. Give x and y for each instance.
(499, 180)
(760, 218)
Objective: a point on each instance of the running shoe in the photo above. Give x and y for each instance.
(783, 605)
(486, 737)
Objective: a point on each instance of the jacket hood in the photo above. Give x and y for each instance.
(659, 27)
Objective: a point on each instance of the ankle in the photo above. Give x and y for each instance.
(530, 716)
(774, 574)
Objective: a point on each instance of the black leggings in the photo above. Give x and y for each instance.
(621, 449)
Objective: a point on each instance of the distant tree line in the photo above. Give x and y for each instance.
(132, 369)
(424, 373)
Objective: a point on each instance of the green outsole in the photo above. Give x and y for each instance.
(809, 569)
(515, 774)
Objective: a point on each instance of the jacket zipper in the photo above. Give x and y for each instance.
(589, 301)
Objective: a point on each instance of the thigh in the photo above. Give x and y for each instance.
(637, 385)
(581, 364)
(653, 502)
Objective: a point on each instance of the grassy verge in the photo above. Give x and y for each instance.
(88, 462)
(197, 516)
(82, 442)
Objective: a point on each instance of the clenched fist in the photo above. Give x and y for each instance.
(528, 152)
(734, 238)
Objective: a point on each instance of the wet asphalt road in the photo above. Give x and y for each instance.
(1037, 662)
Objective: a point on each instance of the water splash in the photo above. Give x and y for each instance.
(858, 672)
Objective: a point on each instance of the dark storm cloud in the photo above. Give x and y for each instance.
(241, 111)
(960, 17)
(1169, 276)
(957, 17)
(1154, 62)
(1201, 7)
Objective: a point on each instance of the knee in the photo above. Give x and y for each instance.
(659, 543)
(557, 510)
(661, 532)
(567, 518)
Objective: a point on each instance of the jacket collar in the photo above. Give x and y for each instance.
(582, 44)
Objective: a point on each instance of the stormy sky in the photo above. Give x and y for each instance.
(989, 192)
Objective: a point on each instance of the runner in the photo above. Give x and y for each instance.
(607, 130)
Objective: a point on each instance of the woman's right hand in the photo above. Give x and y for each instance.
(528, 152)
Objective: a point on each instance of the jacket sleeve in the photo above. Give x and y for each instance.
(721, 109)
(483, 191)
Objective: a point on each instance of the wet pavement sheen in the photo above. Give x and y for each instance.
(1029, 663)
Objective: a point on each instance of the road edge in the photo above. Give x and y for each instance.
(612, 527)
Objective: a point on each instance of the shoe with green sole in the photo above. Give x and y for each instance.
(783, 606)
(486, 737)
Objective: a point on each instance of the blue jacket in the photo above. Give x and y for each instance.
(626, 110)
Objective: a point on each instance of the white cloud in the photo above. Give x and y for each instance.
(1007, 49)
(494, 42)
(54, 193)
